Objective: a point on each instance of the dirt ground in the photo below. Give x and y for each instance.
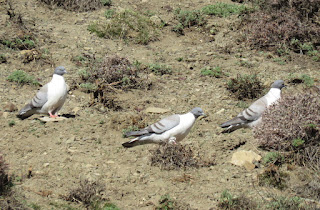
(89, 146)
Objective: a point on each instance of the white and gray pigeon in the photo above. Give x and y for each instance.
(171, 129)
(251, 116)
(50, 98)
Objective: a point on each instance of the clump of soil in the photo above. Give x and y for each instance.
(177, 156)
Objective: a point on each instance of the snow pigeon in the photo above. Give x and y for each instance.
(171, 129)
(50, 98)
(252, 115)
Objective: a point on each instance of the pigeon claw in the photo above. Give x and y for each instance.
(172, 140)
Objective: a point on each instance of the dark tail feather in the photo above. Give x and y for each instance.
(230, 129)
(26, 112)
(130, 144)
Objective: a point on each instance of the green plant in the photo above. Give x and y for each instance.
(22, 43)
(280, 61)
(214, 72)
(106, 2)
(227, 201)
(297, 142)
(22, 78)
(159, 69)
(127, 25)
(307, 80)
(109, 13)
(223, 9)
(273, 177)
(84, 74)
(35, 206)
(11, 123)
(3, 58)
(88, 87)
(189, 18)
(282, 203)
(178, 29)
(179, 59)
(245, 86)
(128, 129)
(166, 203)
(273, 158)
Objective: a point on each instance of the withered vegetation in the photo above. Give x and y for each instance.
(293, 125)
(177, 156)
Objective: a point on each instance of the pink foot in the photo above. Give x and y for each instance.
(53, 116)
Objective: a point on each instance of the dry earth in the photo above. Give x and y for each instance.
(89, 146)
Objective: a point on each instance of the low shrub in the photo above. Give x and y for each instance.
(245, 86)
(177, 156)
(281, 24)
(127, 25)
(223, 9)
(22, 78)
(78, 5)
(228, 201)
(293, 125)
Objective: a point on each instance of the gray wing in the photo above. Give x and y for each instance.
(158, 127)
(252, 113)
(37, 102)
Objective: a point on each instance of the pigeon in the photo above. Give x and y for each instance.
(50, 98)
(171, 129)
(251, 116)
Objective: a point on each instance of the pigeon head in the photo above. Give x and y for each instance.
(278, 84)
(197, 112)
(60, 70)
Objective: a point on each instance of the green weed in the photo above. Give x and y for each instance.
(22, 43)
(22, 78)
(213, 72)
(11, 123)
(127, 25)
(282, 203)
(88, 87)
(307, 80)
(106, 2)
(227, 201)
(189, 18)
(297, 142)
(273, 158)
(109, 13)
(223, 9)
(159, 69)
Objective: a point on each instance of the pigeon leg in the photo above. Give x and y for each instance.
(52, 116)
(172, 140)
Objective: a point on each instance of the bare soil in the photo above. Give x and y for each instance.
(88, 146)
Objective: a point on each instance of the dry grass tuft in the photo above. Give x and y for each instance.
(75, 5)
(177, 156)
(245, 86)
(87, 193)
(280, 24)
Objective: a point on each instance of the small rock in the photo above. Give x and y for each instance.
(46, 164)
(156, 20)
(1, 113)
(75, 110)
(5, 114)
(110, 162)
(10, 107)
(156, 110)
(245, 159)
(220, 111)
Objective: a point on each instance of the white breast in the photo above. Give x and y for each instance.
(57, 93)
(273, 95)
